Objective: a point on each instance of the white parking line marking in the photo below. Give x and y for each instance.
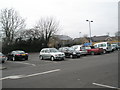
(25, 63)
(104, 85)
(12, 77)
(43, 73)
(24, 76)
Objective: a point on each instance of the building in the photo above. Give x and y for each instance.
(101, 38)
(60, 40)
(81, 40)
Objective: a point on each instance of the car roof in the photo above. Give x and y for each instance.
(100, 43)
(65, 47)
(48, 48)
(17, 51)
(77, 45)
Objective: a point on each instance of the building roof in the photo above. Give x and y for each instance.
(100, 38)
(63, 37)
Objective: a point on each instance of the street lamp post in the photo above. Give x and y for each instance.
(90, 29)
(79, 34)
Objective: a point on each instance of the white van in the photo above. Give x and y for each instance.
(105, 45)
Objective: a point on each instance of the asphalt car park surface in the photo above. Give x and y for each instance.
(91, 71)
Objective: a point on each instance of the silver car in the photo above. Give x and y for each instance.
(3, 58)
(51, 53)
(81, 49)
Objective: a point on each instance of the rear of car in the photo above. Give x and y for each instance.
(3, 58)
(18, 55)
(81, 49)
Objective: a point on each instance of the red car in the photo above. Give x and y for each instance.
(92, 50)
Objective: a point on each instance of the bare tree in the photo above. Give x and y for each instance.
(47, 27)
(11, 23)
(29, 34)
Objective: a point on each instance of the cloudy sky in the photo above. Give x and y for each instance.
(72, 14)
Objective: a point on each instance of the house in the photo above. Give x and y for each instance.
(101, 38)
(60, 40)
(81, 40)
(63, 37)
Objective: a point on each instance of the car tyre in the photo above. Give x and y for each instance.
(104, 51)
(3, 61)
(40, 57)
(92, 53)
(71, 56)
(63, 58)
(26, 58)
(52, 58)
(13, 58)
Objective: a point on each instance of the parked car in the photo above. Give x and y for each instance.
(118, 47)
(3, 58)
(69, 52)
(51, 53)
(105, 45)
(92, 50)
(81, 49)
(17, 55)
(114, 47)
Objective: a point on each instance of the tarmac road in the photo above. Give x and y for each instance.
(98, 71)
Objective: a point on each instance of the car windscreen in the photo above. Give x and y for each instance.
(87, 47)
(114, 45)
(75, 47)
(71, 49)
(54, 50)
(82, 48)
(108, 44)
(19, 52)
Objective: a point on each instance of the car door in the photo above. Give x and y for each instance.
(47, 54)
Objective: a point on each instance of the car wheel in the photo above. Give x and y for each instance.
(26, 58)
(63, 58)
(8, 58)
(40, 57)
(52, 58)
(3, 61)
(71, 56)
(104, 51)
(92, 53)
(13, 58)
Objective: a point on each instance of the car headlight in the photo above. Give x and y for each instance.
(56, 55)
